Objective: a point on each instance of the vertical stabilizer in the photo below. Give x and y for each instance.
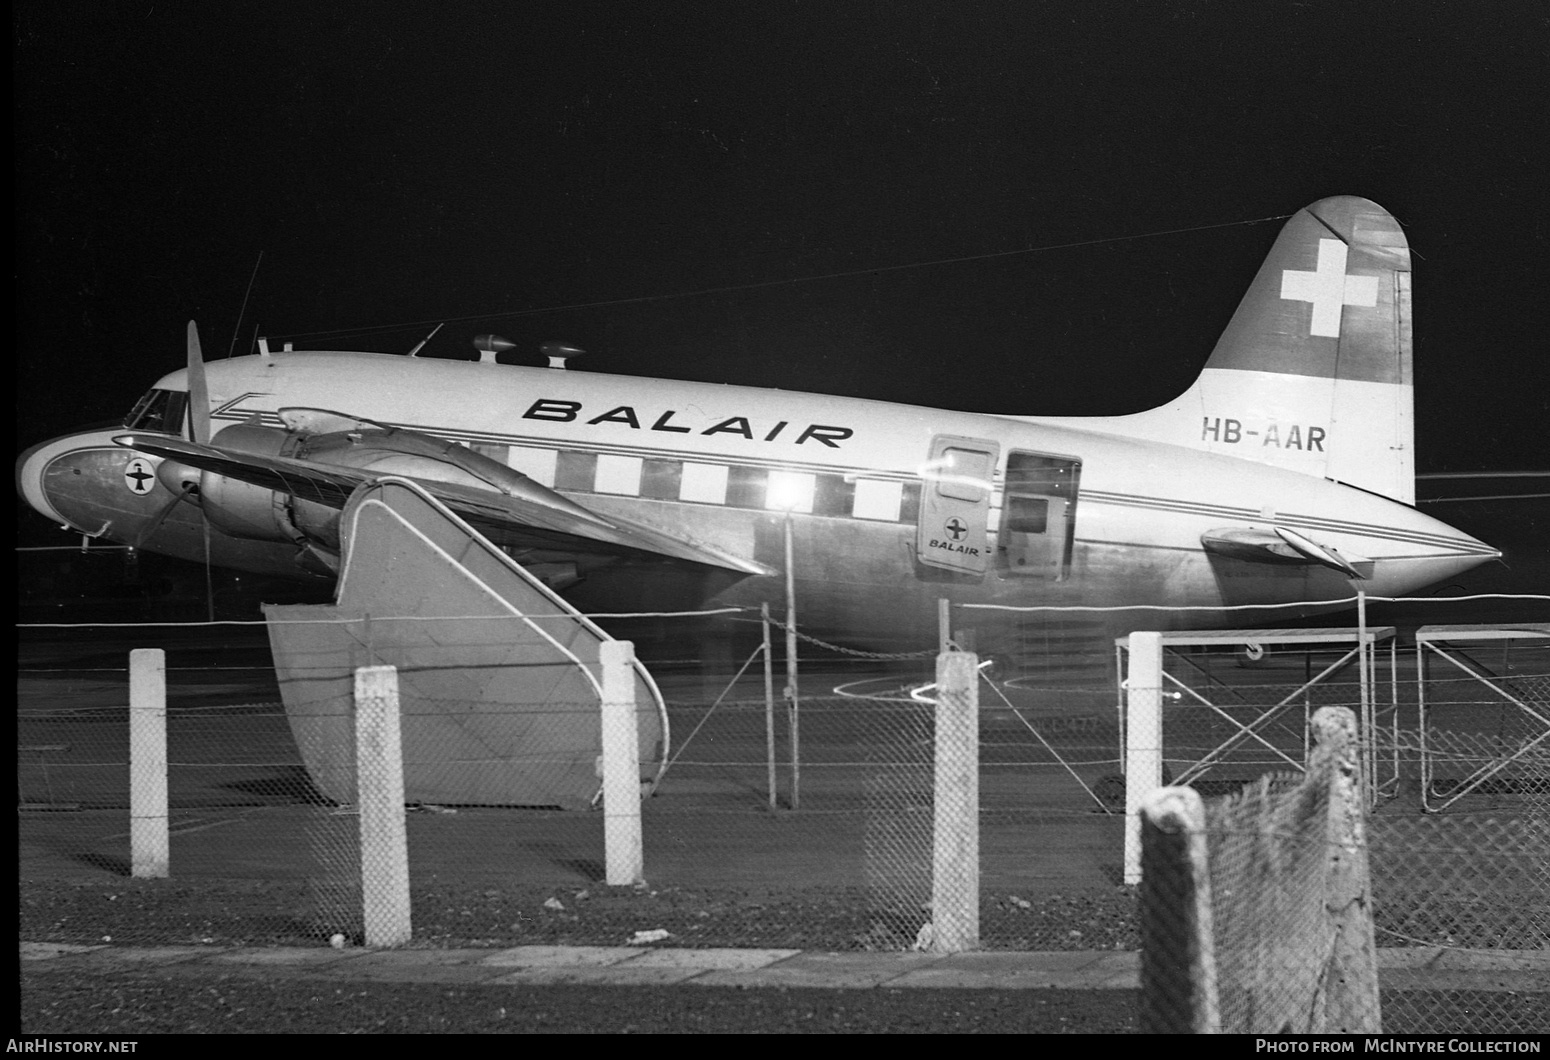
(1313, 373)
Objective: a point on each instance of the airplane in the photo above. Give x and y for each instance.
(1284, 476)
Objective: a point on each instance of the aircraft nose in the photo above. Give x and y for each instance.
(29, 479)
(84, 482)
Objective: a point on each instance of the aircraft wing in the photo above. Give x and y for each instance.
(537, 518)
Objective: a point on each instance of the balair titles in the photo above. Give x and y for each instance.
(557, 411)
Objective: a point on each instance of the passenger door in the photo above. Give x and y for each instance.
(1038, 517)
(955, 504)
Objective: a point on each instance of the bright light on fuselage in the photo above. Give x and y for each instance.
(790, 491)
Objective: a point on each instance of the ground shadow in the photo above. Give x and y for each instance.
(290, 785)
(591, 871)
(105, 862)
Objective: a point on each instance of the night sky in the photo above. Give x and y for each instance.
(943, 203)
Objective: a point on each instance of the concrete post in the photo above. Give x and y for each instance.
(1351, 1004)
(621, 766)
(379, 775)
(1143, 740)
(149, 840)
(955, 876)
(1178, 947)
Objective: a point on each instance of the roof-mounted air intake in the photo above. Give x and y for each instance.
(558, 352)
(490, 345)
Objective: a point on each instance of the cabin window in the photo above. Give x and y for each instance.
(575, 471)
(704, 483)
(618, 474)
(160, 410)
(790, 491)
(661, 479)
(835, 495)
(746, 486)
(1038, 520)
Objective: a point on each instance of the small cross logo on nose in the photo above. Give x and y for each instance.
(957, 528)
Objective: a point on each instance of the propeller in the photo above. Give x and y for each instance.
(198, 392)
(181, 481)
(166, 510)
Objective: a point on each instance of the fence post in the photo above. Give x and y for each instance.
(379, 780)
(955, 877)
(621, 766)
(150, 854)
(1178, 955)
(1143, 739)
(1351, 1003)
(793, 700)
(769, 705)
(1366, 656)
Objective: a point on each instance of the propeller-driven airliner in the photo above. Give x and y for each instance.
(1284, 475)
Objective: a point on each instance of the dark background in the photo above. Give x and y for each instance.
(988, 179)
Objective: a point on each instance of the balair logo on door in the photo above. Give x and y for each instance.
(956, 531)
(554, 410)
(955, 491)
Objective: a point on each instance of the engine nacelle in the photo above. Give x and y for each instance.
(241, 509)
(260, 513)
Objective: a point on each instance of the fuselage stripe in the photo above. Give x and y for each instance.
(1289, 519)
(834, 489)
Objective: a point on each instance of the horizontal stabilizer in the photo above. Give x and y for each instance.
(1324, 555)
(1279, 545)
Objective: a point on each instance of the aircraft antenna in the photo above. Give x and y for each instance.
(421, 344)
(238, 329)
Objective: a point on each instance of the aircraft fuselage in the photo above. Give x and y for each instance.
(889, 508)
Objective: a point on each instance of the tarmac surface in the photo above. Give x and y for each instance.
(1514, 971)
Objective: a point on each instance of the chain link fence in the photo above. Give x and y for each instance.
(1460, 852)
(824, 843)
(1255, 906)
(764, 832)
(1458, 821)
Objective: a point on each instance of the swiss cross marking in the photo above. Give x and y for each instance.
(1329, 288)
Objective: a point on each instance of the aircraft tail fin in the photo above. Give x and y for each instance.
(1313, 372)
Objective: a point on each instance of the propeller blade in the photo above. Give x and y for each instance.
(198, 393)
(161, 516)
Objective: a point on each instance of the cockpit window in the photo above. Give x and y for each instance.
(159, 410)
